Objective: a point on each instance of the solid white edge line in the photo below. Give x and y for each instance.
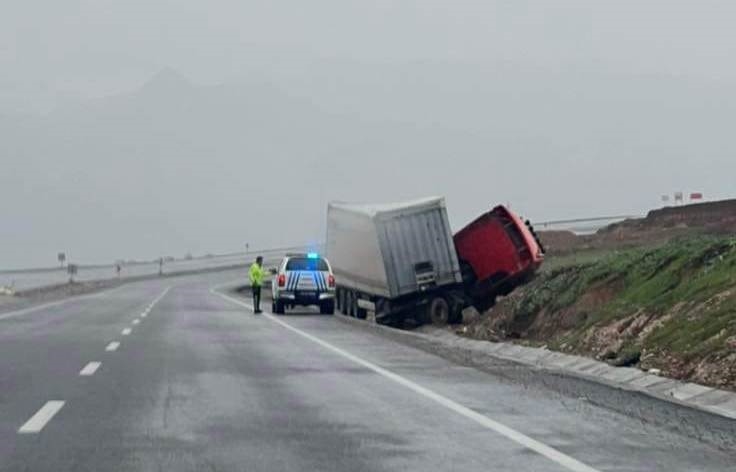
(540, 448)
(126, 331)
(38, 421)
(113, 346)
(90, 369)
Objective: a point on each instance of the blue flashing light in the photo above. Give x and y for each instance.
(312, 255)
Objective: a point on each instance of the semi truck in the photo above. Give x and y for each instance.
(401, 260)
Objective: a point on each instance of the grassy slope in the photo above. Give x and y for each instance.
(671, 307)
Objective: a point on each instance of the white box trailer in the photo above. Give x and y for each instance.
(394, 258)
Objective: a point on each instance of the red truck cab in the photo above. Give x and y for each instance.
(497, 252)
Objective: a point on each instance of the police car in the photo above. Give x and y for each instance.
(303, 279)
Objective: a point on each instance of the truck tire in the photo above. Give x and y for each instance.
(347, 304)
(354, 304)
(485, 304)
(438, 311)
(278, 307)
(327, 308)
(339, 298)
(456, 314)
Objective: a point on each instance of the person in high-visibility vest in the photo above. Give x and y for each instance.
(255, 274)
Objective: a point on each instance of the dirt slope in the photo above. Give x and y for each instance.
(672, 308)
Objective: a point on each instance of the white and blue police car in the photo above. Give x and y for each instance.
(303, 280)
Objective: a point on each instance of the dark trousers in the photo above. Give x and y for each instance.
(256, 297)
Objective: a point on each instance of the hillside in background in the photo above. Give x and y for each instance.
(659, 226)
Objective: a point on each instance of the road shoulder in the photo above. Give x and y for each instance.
(679, 406)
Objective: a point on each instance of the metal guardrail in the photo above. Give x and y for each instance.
(585, 220)
(23, 280)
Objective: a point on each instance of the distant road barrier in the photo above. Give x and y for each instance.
(27, 279)
(585, 220)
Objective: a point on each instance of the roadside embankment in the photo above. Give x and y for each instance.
(670, 309)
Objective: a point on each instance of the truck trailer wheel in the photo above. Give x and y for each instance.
(456, 314)
(355, 309)
(339, 299)
(347, 303)
(438, 311)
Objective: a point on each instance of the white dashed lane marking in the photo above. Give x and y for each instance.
(90, 369)
(41, 418)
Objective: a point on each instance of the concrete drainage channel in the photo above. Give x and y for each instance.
(696, 411)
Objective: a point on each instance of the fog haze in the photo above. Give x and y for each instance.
(140, 129)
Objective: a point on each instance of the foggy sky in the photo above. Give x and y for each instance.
(146, 128)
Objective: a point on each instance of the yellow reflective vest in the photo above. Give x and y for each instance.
(255, 274)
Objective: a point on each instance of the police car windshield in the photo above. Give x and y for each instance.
(304, 263)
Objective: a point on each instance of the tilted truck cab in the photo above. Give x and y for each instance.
(497, 252)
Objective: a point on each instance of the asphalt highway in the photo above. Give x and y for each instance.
(180, 375)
